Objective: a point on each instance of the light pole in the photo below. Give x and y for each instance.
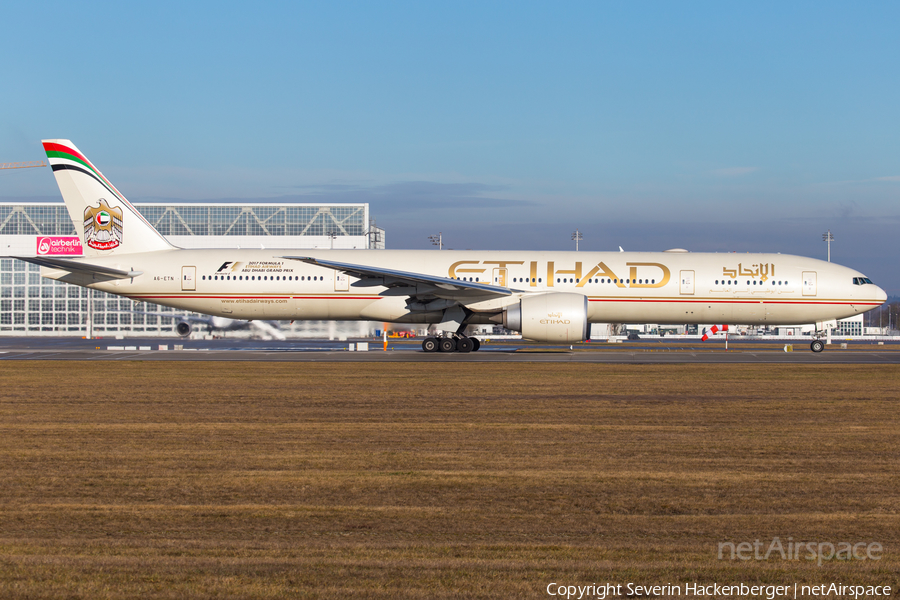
(437, 240)
(332, 234)
(827, 237)
(577, 237)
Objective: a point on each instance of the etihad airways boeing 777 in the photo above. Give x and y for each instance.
(547, 296)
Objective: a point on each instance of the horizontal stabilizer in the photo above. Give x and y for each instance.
(407, 278)
(75, 266)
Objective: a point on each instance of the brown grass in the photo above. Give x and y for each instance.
(286, 480)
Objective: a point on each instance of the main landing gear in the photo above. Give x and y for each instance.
(451, 344)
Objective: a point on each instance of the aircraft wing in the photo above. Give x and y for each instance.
(76, 266)
(442, 287)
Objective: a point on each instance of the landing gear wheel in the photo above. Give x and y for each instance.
(464, 345)
(817, 346)
(430, 344)
(476, 345)
(448, 345)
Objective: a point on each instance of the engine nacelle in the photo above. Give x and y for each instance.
(183, 328)
(555, 317)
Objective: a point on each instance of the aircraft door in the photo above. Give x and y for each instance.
(341, 282)
(500, 277)
(687, 283)
(809, 283)
(188, 279)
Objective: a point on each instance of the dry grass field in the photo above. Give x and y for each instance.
(293, 480)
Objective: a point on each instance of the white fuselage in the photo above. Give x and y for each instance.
(621, 287)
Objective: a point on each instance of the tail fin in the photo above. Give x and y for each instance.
(105, 221)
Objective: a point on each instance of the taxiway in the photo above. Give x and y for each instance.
(155, 349)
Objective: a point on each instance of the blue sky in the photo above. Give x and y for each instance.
(706, 125)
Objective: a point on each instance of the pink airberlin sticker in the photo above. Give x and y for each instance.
(58, 245)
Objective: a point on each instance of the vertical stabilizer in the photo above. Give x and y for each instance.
(105, 221)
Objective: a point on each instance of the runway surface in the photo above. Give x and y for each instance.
(639, 352)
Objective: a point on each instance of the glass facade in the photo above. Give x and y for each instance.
(219, 220)
(31, 305)
(35, 219)
(851, 326)
(204, 219)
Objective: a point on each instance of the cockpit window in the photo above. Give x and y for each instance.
(862, 281)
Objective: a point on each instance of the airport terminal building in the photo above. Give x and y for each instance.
(31, 305)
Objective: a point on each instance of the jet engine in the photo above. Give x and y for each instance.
(555, 317)
(183, 328)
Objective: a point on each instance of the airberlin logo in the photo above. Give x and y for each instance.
(58, 245)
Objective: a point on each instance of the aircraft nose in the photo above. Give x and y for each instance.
(880, 295)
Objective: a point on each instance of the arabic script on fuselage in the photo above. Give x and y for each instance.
(763, 271)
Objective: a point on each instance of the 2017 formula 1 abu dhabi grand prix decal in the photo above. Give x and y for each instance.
(103, 226)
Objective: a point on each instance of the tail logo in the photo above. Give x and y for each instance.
(103, 226)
